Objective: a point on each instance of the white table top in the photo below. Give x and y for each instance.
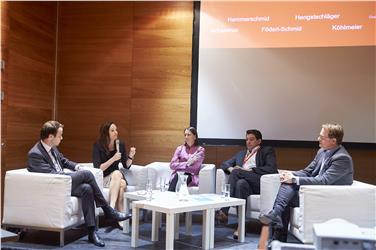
(168, 202)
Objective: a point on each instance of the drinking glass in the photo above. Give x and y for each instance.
(149, 190)
(162, 184)
(225, 191)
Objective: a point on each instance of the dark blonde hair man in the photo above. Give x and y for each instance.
(332, 165)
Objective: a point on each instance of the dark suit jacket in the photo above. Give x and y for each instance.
(337, 170)
(265, 161)
(39, 160)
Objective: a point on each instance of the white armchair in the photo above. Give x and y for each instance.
(355, 204)
(256, 203)
(42, 201)
(158, 170)
(136, 178)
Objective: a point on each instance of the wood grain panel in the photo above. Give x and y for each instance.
(161, 78)
(30, 67)
(155, 145)
(28, 37)
(95, 69)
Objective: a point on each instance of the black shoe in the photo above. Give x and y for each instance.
(235, 236)
(115, 215)
(280, 235)
(95, 239)
(272, 218)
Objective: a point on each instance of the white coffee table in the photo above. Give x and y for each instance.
(168, 203)
(156, 217)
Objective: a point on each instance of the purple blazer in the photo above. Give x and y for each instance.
(179, 161)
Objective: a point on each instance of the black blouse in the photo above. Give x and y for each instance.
(101, 156)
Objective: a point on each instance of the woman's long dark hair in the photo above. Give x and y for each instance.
(194, 132)
(104, 135)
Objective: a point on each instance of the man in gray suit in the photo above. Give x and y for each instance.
(45, 158)
(332, 166)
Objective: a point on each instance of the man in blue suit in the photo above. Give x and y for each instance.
(45, 158)
(332, 165)
(246, 168)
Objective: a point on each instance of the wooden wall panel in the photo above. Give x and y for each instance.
(94, 72)
(161, 82)
(31, 71)
(28, 40)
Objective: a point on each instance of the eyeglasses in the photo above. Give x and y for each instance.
(321, 137)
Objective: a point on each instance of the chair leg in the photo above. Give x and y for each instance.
(62, 238)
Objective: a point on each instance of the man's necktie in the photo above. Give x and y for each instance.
(56, 162)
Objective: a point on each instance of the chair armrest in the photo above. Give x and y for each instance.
(355, 203)
(221, 178)
(158, 170)
(36, 199)
(269, 186)
(207, 179)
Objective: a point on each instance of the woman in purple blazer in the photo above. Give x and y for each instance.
(187, 159)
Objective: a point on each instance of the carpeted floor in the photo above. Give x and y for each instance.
(116, 239)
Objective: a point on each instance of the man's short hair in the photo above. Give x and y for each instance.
(334, 131)
(50, 128)
(255, 132)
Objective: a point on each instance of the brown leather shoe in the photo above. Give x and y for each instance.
(221, 217)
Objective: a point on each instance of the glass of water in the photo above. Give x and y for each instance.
(162, 184)
(225, 191)
(149, 190)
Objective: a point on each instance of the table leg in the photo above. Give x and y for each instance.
(212, 228)
(206, 229)
(170, 225)
(241, 223)
(126, 211)
(177, 221)
(155, 224)
(188, 223)
(135, 226)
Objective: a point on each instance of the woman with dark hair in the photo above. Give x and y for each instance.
(108, 152)
(187, 159)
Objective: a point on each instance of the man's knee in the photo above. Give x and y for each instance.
(242, 184)
(86, 189)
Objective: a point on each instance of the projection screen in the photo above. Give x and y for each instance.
(285, 68)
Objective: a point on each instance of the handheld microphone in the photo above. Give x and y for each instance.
(117, 145)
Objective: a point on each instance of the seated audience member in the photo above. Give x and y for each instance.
(187, 159)
(45, 158)
(246, 168)
(108, 152)
(332, 165)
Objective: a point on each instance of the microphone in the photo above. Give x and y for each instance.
(117, 145)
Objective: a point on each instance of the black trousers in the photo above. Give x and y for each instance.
(85, 187)
(242, 184)
(174, 181)
(287, 197)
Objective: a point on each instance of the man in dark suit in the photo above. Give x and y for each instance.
(246, 168)
(45, 158)
(332, 165)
